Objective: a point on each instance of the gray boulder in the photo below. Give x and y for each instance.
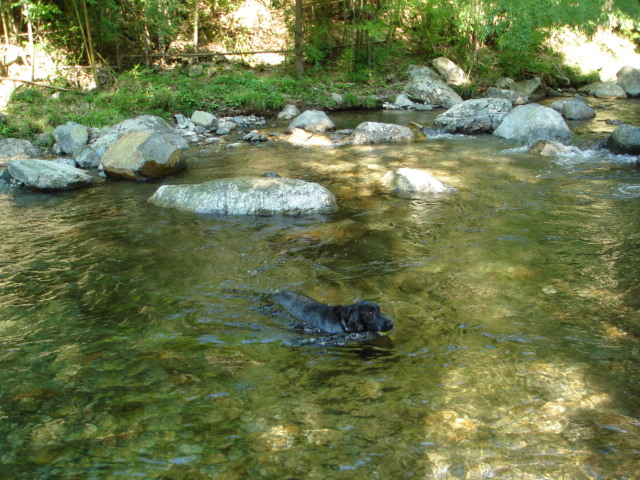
(402, 101)
(514, 97)
(528, 123)
(374, 132)
(505, 83)
(204, 119)
(413, 183)
(71, 136)
(312, 121)
(481, 115)
(451, 72)
(142, 155)
(289, 112)
(426, 87)
(625, 139)
(15, 148)
(574, 109)
(50, 176)
(337, 99)
(111, 135)
(248, 196)
(527, 87)
(629, 81)
(604, 90)
(86, 157)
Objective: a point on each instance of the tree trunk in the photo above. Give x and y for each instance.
(196, 25)
(32, 51)
(5, 25)
(90, 50)
(298, 41)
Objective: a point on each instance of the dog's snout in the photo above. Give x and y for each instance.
(387, 324)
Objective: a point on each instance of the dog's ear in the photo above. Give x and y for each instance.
(351, 319)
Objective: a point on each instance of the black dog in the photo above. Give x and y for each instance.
(359, 317)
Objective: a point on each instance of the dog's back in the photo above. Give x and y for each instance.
(314, 313)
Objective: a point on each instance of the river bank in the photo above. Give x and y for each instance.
(228, 88)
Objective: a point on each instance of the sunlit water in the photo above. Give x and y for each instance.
(138, 342)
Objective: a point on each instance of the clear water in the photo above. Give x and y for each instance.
(137, 342)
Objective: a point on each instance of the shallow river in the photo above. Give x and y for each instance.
(138, 342)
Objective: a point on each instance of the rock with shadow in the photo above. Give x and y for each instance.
(574, 109)
(49, 175)
(624, 139)
(248, 196)
(482, 115)
(375, 132)
(142, 155)
(529, 123)
(413, 183)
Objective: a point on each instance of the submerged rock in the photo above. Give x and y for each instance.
(528, 123)
(474, 116)
(547, 148)
(142, 155)
(248, 196)
(50, 176)
(375, 132)
(413, 183)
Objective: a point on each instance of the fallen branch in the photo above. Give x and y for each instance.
(37, 84)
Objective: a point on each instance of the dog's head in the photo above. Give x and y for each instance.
(366, 317)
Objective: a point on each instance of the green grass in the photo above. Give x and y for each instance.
(34, 110)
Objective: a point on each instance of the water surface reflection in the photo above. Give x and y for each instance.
(139, 342)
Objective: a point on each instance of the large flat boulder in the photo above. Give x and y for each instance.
(528, 123)
(482, 115)
(49, 175)
(375, 132)
(248, 196)
(142, 155)
(111, 135)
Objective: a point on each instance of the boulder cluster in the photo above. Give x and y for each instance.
(147, 147)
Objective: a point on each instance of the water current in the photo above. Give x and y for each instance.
(139, 342)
